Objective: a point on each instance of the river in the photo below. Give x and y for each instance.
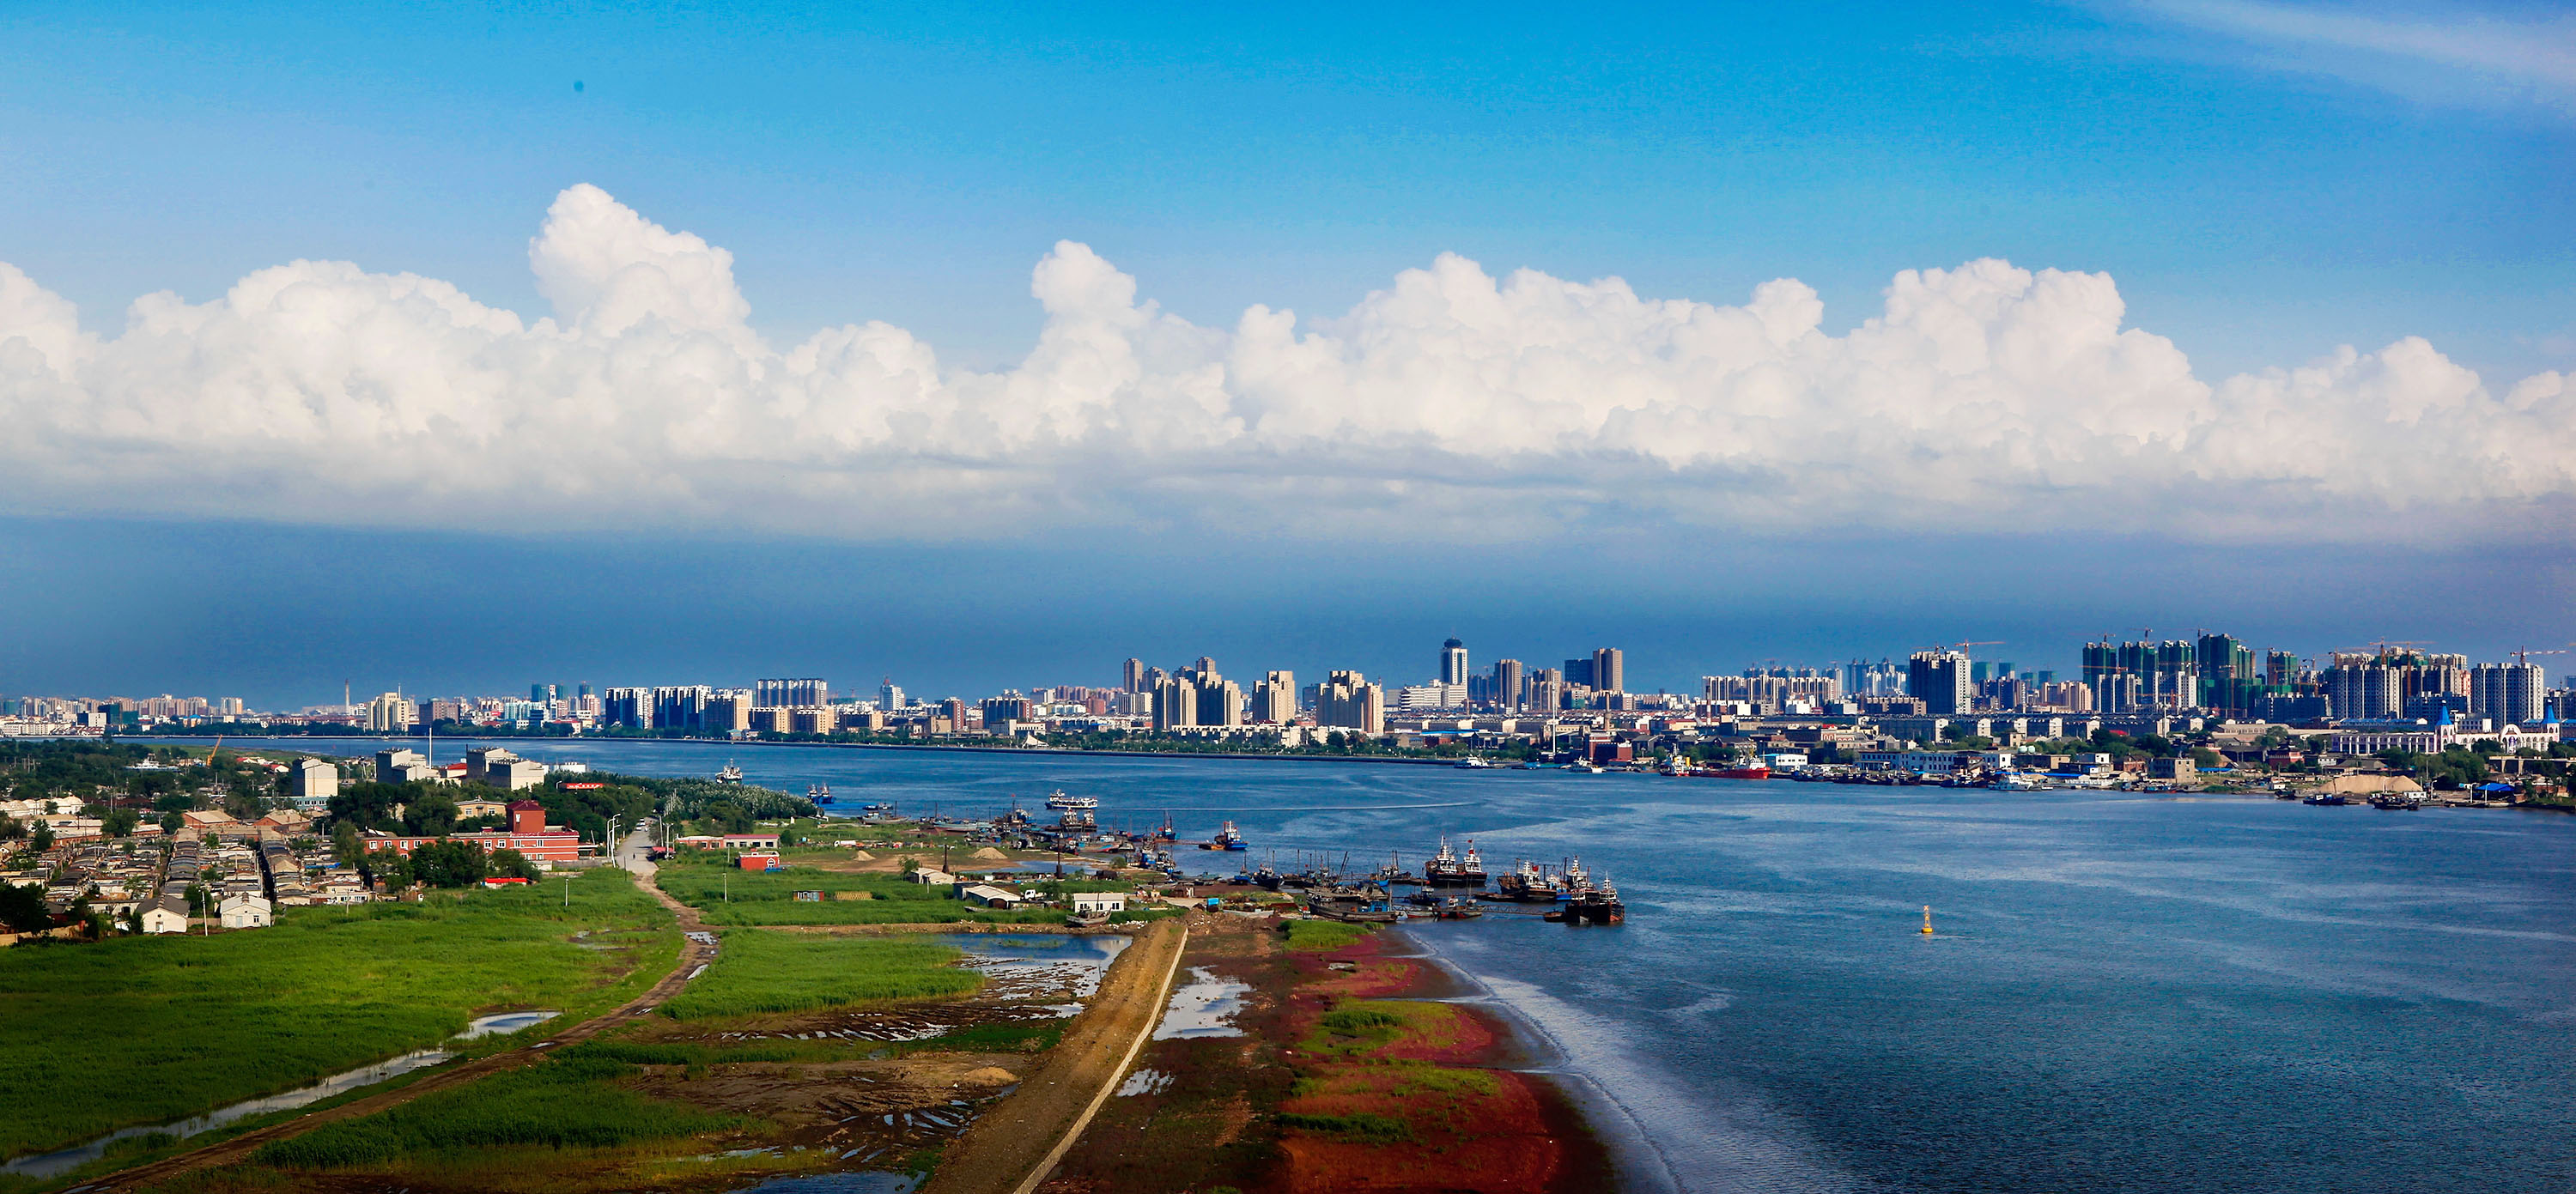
(2125, 992)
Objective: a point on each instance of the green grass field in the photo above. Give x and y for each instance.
(142, 1030)
(759, 973)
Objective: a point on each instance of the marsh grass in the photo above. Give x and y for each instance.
(568, 1102)
(759, 973)
(139, 1030)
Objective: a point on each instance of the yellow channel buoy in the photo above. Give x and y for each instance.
(1927, 920)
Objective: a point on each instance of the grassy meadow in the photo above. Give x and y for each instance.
(760, 973)
(141, 1030)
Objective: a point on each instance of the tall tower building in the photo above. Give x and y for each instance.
(1133, 676)
(1940, 678)
(1507, 684)
(1610, 670)
(1453, 662)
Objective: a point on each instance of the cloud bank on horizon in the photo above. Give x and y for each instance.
(1985, 398)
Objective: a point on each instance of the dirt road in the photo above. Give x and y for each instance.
(1011, 1148)
(693, 954)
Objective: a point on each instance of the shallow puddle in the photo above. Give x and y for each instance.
(1203, 1007)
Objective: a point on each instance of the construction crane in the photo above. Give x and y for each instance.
(1962, 648)
(2524, 654)
(210, 752)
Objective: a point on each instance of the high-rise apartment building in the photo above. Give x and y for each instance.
(890, 696)
(1546, 691)
(727, 710)
(680, 706)
(796, 693)
(1133, 675)
(1940, 679)
(389, 713)
(2508, 693)
(1346, 700)
(1453, 663)
(1197, 697)
(630, 708)
(1507, 684)
(1274, 700)
(2365, 690)
(1609, 670)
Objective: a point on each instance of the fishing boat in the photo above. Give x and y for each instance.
(1753, 771)
(1457, 908)
(1061, 802)
(1076, 821)
(1167, 833)
(730, 775)
(1529, 883)
(1600, 906)
(1447, 869)
(1394, 873)
(2326, 798)
(1229, 838)
(1531, 765)
(1471, 763)
(819, 793)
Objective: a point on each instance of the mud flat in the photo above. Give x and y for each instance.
(1337, 1064)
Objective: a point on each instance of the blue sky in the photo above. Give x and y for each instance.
(2266, 183)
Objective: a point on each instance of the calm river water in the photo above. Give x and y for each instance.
(2143, 993)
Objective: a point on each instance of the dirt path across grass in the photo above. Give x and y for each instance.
(1011, 1148)
(694, 952)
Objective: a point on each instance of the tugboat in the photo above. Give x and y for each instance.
(730, 775)
(1060, 802)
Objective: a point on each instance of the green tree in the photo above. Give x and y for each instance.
(170, 822)
(430, 814)
(346, 845)
(22, 909)
(510, 864)
(42, 839)
(119, 822)
(448, 863)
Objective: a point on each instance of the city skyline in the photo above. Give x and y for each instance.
(1586, 339)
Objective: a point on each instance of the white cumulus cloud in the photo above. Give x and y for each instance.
(1452, 402)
